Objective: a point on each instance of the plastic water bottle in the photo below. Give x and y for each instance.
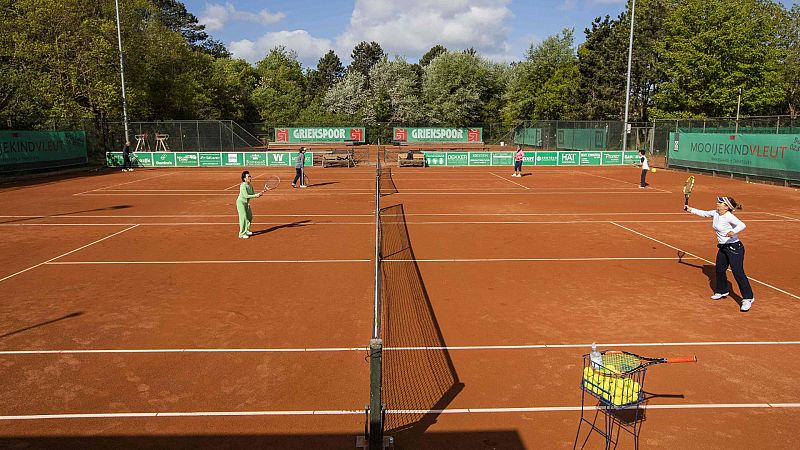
(596, 357)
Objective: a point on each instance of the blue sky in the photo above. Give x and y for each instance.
(501, 30)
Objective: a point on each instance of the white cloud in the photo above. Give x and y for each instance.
(412, 27)
(309, 49)
(216, 16)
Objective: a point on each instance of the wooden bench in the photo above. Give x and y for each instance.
(417, 160)
(338, 159)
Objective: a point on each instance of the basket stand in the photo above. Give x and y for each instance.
(620, 412)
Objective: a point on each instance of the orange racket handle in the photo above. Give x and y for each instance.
(682, 359)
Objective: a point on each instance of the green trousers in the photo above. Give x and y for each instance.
(245, 217)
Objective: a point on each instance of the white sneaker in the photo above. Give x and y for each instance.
(249, 233)
(718, 296)
(130, 170)
(124, 170)
(747, 303)
(244, 237)
(303, 186)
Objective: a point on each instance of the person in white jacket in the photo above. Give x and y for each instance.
(730, 249)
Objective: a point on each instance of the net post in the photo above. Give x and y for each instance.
(375, 407)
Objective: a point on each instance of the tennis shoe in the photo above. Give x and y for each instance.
(303, 186)
(718, 296)
(747, 303)
(293, 185)
(244, 236)
(249, 233)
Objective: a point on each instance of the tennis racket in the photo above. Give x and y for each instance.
(626, 361)
(271, 183)
(687, 190)
(306, 181)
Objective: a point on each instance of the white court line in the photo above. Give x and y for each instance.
(703, 259)
(339, 412)
(510, 181)
(671, 258)
(274, 261)
(682, 213)
(330, 192)
(68, 253)
(622, 181)
(362, 349)
(488, 222)
(778, 215)
(122, 184)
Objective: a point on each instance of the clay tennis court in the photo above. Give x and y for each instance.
(131, 316)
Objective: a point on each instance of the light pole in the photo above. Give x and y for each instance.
(628, 85)
(122, 75)
(738, 104)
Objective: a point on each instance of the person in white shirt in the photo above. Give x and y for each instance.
(645, 168)
(730, 249)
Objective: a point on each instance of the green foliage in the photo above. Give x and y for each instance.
(364, 56)
(712, 48)
(790, 69)
(602, 63)
(394, 93)
(328, 72)
(435, 51)
(455, 89)
(279, 97)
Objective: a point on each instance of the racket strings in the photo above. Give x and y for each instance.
(271, 183)
(622, 362)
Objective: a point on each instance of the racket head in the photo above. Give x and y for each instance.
(688, 186)
(687, 189)
(271, 182)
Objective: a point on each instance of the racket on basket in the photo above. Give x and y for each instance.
(626, 361)
(687, 190)
(271, 183)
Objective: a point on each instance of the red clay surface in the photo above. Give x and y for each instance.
(124, 295)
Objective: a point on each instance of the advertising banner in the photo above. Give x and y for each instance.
(454, 135)
(319, 134)
(20, 150)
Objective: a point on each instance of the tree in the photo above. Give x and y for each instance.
(231, 88)
(394, 93)
(455, 89)
(348, 97)
(602, 63)
(279, 96)
(711, 50)
(429, 56)
(174, 16)
(790, 69)
(364, 56)
(328, 72)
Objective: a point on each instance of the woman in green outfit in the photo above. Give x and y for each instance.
(246, 192)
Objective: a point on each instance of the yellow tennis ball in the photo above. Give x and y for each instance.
(653, 170)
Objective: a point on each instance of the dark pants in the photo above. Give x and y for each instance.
(732, 255)
(298, 175)
(126, 161)
(644, 175)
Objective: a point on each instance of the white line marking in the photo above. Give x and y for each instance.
(778, 215)
(489, 222)
(407, 215)
(703, 259)
(362, 349)
(275, 261)
(671, 258)
(122, 184)
(517, 410)
(68, 253)
(506, 179)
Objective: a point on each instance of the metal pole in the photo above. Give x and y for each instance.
(376, 344)
(628, 85)
(738, 104)
(122, 75)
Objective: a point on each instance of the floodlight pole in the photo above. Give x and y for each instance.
(738, 104)
(628, 85)
(122, 74)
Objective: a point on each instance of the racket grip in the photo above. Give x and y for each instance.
(682, 359)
